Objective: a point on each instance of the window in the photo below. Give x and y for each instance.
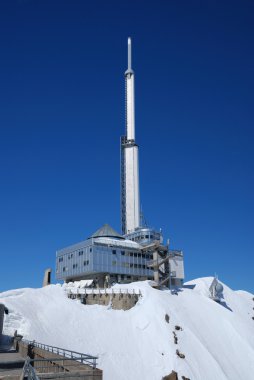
(64, 269)
(151, 236)
(131, 253)
(135, 265)
(147, 236)
(60, 259)
(135, 254)
(143, 255)
(80, 253)
(113, 262)
(91, 249)
(144, 267)
(70, 256)
(114, 251)
(139, 254)
(86, 262)
(122, 252)
(75, 266)
(131, 265)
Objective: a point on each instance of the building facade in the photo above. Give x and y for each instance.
(106, 257)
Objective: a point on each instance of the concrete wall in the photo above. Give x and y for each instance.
(47, 277)
(177, 265)
(119, 301)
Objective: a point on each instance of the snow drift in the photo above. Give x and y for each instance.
(216, 340)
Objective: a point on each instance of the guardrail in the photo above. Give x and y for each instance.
(68, 354)
(103, 291)
(55, 369)
(29, 372)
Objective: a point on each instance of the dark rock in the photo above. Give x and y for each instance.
(178, 353)
(175, 338)
(171, 376)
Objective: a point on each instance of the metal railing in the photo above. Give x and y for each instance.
(102, 291)
(67, 354)
(28, 371)
(57, 368)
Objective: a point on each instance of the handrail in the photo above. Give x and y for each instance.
(157, 263)
(73, 290)
(69, 354)
(29, 371)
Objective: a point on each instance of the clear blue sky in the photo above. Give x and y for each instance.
(62, 113)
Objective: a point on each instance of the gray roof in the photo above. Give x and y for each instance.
(107, 231)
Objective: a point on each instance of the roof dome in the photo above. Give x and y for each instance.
(107, 231)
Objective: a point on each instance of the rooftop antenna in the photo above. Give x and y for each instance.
(129, 54)
(143, 222)
(130, 199)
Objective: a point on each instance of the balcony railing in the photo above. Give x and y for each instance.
(68, 354)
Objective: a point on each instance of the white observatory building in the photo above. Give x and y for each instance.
(106, 256)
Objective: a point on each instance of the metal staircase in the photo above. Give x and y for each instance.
(160, 263)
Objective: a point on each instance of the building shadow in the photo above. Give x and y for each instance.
(223, 303)
(6, 343)
(189, 286)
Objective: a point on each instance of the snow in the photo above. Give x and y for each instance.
(116, 242)
(216, 339)
(79, 284)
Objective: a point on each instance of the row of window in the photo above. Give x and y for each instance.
(138, 266)
(135, 254)
(131, 265)
(82, 252)
(70, 255)
(74, 266)
(142, 237)
(123, 253)
(114, 262)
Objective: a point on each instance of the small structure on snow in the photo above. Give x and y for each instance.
(216, 290)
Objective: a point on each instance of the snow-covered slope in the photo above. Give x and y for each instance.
(217, 341)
